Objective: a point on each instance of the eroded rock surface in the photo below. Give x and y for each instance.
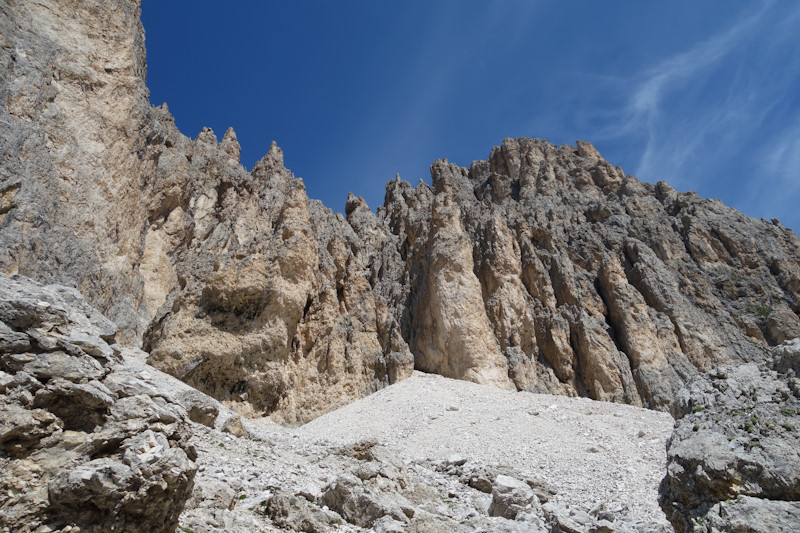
(84, 442)
(543, 268)
(547, 268)
(735, 450)
(235, 280)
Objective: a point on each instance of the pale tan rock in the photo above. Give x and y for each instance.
(593, 283)
(542, 268)
(453, 333)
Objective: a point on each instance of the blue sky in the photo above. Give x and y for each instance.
(704, 95)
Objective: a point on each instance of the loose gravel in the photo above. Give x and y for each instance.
(593, 453)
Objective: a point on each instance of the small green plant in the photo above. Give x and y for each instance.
(221, 445)
(185, 529)
(242, 496)
(737, 277)
(697, 408)
(787, 412)
(696, 427)
(293, 502)
(335, 522)
(755, 444)
(788, 427)
(748, 426)
(730, 438)
(759, 310)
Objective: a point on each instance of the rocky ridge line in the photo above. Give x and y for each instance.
(542, 268)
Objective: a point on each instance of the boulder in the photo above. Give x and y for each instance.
(736, 436)
(510, 497)
(82, 443)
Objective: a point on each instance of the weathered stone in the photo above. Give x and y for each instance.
(362, 505)
(735, 436)
(81, 441)
(510, 497)
(295, 513)
(542, 268)
(752, 515)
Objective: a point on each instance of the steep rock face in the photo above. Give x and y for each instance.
(237, 282)
(576, 278)
(73, 123)
(270, 310)
(83, 440)
(733, 460)
(542, 268)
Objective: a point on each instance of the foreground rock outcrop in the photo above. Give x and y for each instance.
(542, 268)
(734, 456)
(84, 441)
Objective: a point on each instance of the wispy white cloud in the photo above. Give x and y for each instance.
(645, 109)
(730, 98)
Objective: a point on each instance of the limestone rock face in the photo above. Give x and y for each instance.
(542, 268)
(74, 124)
(270, 309)
(733, 461)
(235, 280)
(548, 269)
(83, 441)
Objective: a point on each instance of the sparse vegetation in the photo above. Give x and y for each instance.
(736, 277)
(759, 310)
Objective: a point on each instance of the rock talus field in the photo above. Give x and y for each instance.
(498, 350)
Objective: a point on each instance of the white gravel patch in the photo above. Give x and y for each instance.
(593, 452)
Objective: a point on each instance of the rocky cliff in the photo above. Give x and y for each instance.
(239, 283)
(542, 268)
(548, 269)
